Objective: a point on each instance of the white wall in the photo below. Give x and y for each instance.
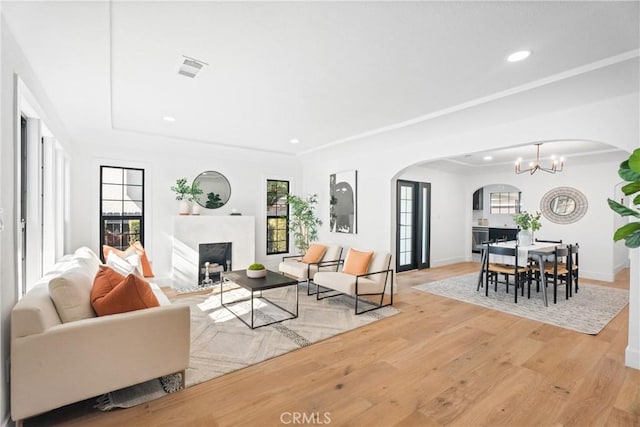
(165, 160)
(13, 63)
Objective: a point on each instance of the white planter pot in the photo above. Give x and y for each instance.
(256, 274)
(195, 208)
(525, 238)
(183, 207)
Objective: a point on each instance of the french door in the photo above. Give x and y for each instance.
(413, 221)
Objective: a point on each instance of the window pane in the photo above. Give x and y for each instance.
(133, 177)
(112, 208)
(133, 193)
(111, 192)
(112, 175)
(132, 208)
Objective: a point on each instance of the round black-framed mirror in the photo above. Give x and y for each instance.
(216, 190)
(564, 205)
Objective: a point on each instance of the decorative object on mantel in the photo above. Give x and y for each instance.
(564, 205)
(256, 271)
(629, 171)
(528, 224)
(343, 211)
(234, 211)
(535, 166)
(303, 222)
(194, 192)
(182, 191)
(215, 190)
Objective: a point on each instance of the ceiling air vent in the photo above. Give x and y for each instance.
(190, 67)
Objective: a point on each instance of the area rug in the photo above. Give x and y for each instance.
(588, 311)
(221, 343)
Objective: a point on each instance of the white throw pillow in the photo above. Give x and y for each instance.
(71, 295)
(125, 266)
(88, 256)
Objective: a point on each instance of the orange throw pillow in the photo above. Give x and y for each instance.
(129, 294)
(105, 280)
(314, 253)
(135, 247)
(357, 262)
(144, 261)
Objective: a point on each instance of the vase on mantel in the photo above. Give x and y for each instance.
(195, 208)
(525, 238)
(183, 207)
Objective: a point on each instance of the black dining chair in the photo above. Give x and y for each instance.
(574, 265)
(492, 271)
(558, 270)
(548, 241)
(557, 242)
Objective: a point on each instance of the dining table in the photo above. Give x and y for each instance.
(536, 251)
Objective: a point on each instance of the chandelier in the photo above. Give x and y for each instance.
(556, 166)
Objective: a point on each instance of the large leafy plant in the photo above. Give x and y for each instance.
(528, 221)
(303, 221)
(629, 171)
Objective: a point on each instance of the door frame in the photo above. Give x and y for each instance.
(421, 250)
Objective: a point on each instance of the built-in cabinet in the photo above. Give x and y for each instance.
(478, 197)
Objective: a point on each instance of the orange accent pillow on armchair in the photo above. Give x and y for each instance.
(357, 262)
(314, 253)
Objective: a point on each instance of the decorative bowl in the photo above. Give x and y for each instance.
(256, 274)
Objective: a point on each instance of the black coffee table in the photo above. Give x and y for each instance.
(272, 280)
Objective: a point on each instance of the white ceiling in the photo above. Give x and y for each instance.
(320, 72)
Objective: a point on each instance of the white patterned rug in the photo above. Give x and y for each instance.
(221, 343)
(588, 311)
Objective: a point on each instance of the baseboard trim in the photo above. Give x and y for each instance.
(446, 261)
(632, 357)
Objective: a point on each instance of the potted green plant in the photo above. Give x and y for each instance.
(303, 221)
(255, 271)
(182, 191)
(194, 192)
(629, 171)
(528, 224)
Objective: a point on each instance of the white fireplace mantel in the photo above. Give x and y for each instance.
(189, 231)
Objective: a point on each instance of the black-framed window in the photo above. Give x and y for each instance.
(277, 217)
(121, 206)
(507, 202)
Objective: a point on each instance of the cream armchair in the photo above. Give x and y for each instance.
(293, 266)
(370, 283)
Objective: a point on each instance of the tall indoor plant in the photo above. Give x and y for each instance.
(629, 171)
(529, 224)
(303, 221)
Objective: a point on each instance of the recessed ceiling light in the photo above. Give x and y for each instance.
(519, 55)
(488, 158)
(294, 141)
(169, 119)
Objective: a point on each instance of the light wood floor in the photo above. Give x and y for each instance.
(439, 362)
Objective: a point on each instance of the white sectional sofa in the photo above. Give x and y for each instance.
(55, 363)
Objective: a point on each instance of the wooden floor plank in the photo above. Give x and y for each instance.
(439, 362)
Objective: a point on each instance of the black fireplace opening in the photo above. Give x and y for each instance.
(218, 257)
